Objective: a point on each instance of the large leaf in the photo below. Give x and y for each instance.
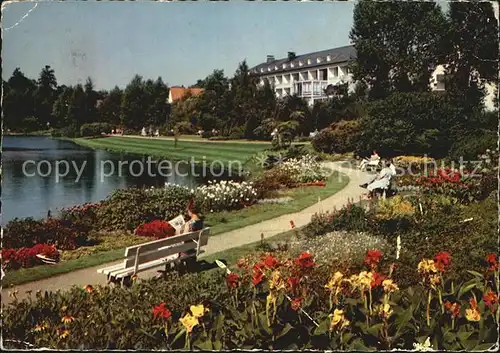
(285, 330)
(466, 287)
(322, 328)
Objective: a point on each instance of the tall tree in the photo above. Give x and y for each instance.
(133, 104)
(45, 95)
(109, 110)
(18, 101)
(398, 45)
(90, 101)
(472, 52)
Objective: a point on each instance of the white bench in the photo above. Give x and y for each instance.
(157, 253)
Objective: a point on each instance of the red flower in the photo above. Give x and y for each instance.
(232, 280)
(295, 304)
(490, 299)
(293, 283)
(442, 261)
(257, 274)
(305, 260)
(161, 311)
(473, 303)
(492, 262)
(271, 262)
(454, 309)
(377, 280)
(157, 229)
(292, 224)
(373, 258)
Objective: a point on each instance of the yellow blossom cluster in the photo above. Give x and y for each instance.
(338, 320)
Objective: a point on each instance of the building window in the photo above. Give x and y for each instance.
(284, 66)
(440, 86)
(262, 70)
(269, 68)
(295, 77)
(318, 60)
(335, 72)
(301, 63)
(328, 58)
(292, 65)
(349, 70)
(308, 61)
(324, 74)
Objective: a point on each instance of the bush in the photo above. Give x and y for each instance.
(127, 209)
(349, 218)
(410, 124)
(95, 129)
(225, 196)
(206, 134)
(13, 259)
(273, 180)
(156, 229)
(340, 137)
(185, 128)
(470, 146)
(83, 217)
(27, 232)
(220, 138)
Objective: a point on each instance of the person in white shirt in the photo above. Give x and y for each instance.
(383, 179)
(374, 157)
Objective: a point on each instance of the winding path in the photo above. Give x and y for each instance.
(217, 243)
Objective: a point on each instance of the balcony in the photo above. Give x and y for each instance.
(310, 89)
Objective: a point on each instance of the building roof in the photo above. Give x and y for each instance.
(177, 93)
(337, 55)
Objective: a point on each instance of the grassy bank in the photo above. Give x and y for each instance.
(220, 222)
(225, 153)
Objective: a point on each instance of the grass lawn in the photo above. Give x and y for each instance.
(112, 248)
(209, 151)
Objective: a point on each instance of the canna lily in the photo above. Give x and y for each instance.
(271, 262)
(198, 310)
(373, 258)
(442, 261)
(88, 288)
(276, 282)
(389, 286)
(295, 304)
(473, 313)
(189, 322)
(338, 320)
(161, 311)
(490, 299)
(335, 282)
(64, 334)
(426, 267)
(453, 309)
(377, 279)
(232, 280)
(305, 260)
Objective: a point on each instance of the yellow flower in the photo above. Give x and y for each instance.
(198, 310)
(189, 322)
(426, 267)
(385, 310)
(64, 334)
(472, 314)
(389, 286)
(40, 327)
(276, 282)
(67, 319)
(134, 278)
(435, 280)
(365, 279)
(334, 281)
(338, 320)
(271, 299)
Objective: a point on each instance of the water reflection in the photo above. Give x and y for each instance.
(33, 196)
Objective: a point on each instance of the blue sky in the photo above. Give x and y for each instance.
(179, 41)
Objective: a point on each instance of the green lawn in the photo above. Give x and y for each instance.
(219, 222)
(224, 152)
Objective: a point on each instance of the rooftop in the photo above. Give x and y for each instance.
(177, 93)
(319, 58)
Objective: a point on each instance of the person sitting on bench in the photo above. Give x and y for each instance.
(373, 158)
(382, 181)
(194, 224)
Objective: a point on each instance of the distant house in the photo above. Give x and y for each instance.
(177, 93)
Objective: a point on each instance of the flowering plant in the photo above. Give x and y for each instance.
(225, 195)
(304, 170)
(156, 229)
(27, 257)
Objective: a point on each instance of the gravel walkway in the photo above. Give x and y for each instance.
(216, 243)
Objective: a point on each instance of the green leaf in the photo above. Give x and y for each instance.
(179, 335)
(375, 329)
(476, 274)
(359, 345)
(483, 347)
(322, 328)
(464, 336)
(466, 287)
(285, 330)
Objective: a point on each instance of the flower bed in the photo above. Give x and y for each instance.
(225, 195)
(13, 259)
(275, 303)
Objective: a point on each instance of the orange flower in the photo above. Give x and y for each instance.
(296, 302)
(305, 260)
(492, 262)
(490, 299)
(63, 334)
(88, 288)
(67, 319)
(373, 258)
(377, 279)
(473, 314)
(454, 309)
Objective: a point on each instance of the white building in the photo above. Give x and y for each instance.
(309, 75)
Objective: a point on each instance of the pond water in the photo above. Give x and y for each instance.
(41, 174)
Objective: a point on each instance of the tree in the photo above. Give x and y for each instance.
(472, 52)
(18, 101)
(61, 106)
(91, 96)
(110, 109)
(45, 95)
(133, 105)
(398, 45)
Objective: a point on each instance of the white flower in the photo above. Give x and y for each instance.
(423, 347)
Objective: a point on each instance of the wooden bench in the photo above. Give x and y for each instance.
(142, 257)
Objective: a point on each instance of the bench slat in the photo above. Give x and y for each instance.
(109, 269)
(156, 244)
(160, 254)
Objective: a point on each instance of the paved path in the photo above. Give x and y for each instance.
(216, 243)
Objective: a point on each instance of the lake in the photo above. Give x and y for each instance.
(40, 174)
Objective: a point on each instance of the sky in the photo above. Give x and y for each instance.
(179, 41)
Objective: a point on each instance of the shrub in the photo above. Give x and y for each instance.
(349, 218)
(95, 129)
(13, 259)
(28, 232)
(220, 138)
(412, 164)
(82, 216)
(127, 209)
(303, 170)
(470, 146)
(186, 128)
(225, 195)
(340, 137)
(269, 182)
(156, 229)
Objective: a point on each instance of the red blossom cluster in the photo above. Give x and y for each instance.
(442, 260)
(453, 309)
(305, 261)
(157, 229)
(372, 258)
(490, 299)
(493, 264)
(161, 311)
(82, 209)
(233, 280)
(445, 175)
(27, 257)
